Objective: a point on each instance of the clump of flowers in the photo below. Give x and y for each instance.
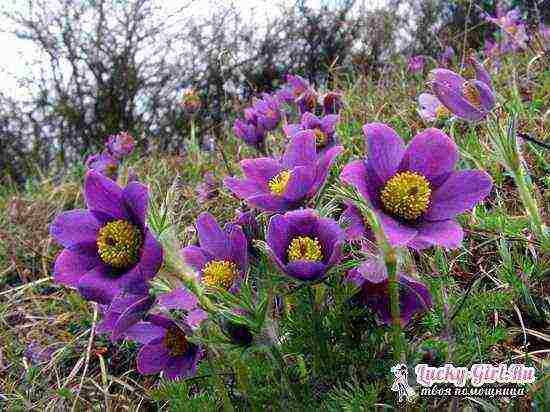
(303, 245)
(414, 190)
(470, 99)
(108, 246)
(121, 145)
(324, 129)
(278, 185)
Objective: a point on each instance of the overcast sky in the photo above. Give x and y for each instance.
(19, 56)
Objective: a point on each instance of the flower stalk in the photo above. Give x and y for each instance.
(390, 261)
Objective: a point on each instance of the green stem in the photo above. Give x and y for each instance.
(390, 261)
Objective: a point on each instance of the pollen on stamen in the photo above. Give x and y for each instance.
(320, 138)
(406, 195)
(176, 342)
(442, 112)
(471, 93)
(277, 185)
(305, 248)
(219, 273)
(119, 243)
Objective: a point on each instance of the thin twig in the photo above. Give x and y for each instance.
(527, 137)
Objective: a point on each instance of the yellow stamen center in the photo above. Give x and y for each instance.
(176, 342)
(278, 184)
(111, 169)
(471, 94)
(320, 138)
(219, 273)
(119, 243)
(442, 112)
(406, 195)
(304, 248)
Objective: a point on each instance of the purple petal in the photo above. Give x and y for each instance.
(323, 168)
(432, 154)
(385, 149)
(243, 188)
(261, 170)
(459, 193)
(373, 270)
(481, 74)
(310, 121)
(446, 233)
(355, 174)
(211, 237)
(153, 358)
(179, 298)
(104, 197)
(144, 332)
(238, 246)
(195, 317)
(291, 129)
(278, 236)
(136, 197)
(306, 270)
(100, 285)
(353, 222)
(453, 100)
(70, 267)
(301, 150)
(302, 222)
(301, 180)
(448, 78)
(328, 123)
(132, 315)
(151, 256)
(331, 237)
(486, 96)
(355, 277)
(270, 203)
(76, 229)
(195, 257)
(397, 233)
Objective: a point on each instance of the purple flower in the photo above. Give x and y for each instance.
(103, 163)
(267, 112)
(307, 102)
(165, 348)
(512, 26)
(221, 259)
(108, 247)
(470, 100)
(123, 312)
(280, 185)
(250, 132)
(431, 108)
(416, 64)
(447, 56)
(121, 145)
(324, 129)
(414, 190)
(332, 103)
(372, 279)
(303, 245)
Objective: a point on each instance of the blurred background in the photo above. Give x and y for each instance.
(73, 72)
